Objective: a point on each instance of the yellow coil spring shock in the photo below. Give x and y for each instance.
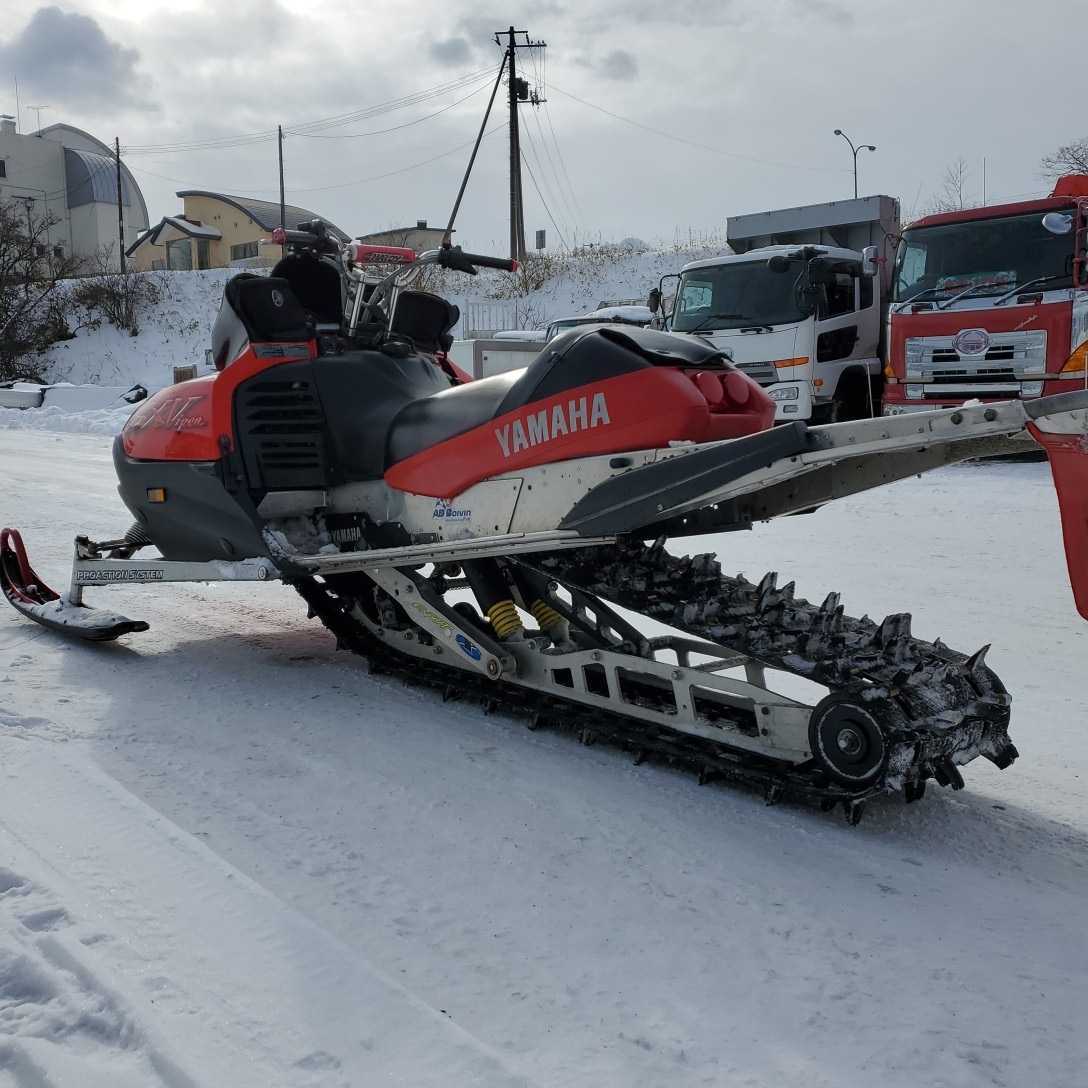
(504, 618)
(550, 621)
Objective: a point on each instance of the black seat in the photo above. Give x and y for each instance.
(573, 359)
(317, 284)
(426, 422)
(588, 355)
(427, 319)
(259, 309)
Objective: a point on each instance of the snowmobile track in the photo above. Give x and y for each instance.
(931, 702)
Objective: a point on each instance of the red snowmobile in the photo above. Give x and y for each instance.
(477, 535)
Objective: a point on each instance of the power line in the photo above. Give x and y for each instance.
(569, 214)
(339, 185)
(562, 162)
(543, 184)
(305, 128)
(532, 178)
(695, 143)
(396, 128)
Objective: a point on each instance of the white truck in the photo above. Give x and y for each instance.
(800, 304)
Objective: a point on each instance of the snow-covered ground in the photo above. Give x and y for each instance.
(228, 856)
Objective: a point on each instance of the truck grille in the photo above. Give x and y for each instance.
(764, 373)
(933, 359)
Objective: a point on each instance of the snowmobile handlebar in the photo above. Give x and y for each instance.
(453, 257)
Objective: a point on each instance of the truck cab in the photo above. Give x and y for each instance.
(799, 303)
(991, 303)
(803, 321)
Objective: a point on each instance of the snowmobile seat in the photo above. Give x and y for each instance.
(426, 319)
(574, 359)
(256, 309)
(584, 355)
(316, 283)
(426, 422)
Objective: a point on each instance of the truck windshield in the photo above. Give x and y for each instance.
(988, 255)
(735, 296)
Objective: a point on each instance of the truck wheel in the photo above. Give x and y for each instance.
(851, 400)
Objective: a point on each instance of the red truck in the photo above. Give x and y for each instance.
(990, 303)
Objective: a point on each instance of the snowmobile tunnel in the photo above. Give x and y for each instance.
(636, 499)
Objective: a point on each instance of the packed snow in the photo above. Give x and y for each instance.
(229, 856)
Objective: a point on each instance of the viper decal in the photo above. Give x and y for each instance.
(544, 426)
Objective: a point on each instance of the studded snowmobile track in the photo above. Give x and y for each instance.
(933, 707)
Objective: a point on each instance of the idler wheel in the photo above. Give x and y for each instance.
(846, 741)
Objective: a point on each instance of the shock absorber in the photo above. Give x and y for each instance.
(534, 591)
(489, 585)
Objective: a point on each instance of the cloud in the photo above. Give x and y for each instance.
(66, 58)
(619, 64)
(451, 51)
(826, 11)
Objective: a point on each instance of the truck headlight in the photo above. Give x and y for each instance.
(1031, 389)
(784, 392)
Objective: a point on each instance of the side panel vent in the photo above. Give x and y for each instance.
(281, 431)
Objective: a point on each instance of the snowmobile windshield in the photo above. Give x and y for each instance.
(980, 258)
(735, 296)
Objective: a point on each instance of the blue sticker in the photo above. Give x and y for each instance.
(470, 650)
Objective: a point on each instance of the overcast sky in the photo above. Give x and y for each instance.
(761, 83)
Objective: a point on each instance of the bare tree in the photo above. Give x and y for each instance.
(952, 195)
(32, 301)
(1068, 159)
(119, 295)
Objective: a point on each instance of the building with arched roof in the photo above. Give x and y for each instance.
(215, 230)
(69, 176)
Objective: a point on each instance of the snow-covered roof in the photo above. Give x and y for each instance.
(172, 227)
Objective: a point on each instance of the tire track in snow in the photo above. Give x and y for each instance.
(186, 948)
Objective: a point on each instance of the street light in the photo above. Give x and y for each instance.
(860, 147)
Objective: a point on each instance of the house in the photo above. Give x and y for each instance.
(70, 176)
(215, 230)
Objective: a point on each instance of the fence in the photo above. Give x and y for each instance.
(487, 318)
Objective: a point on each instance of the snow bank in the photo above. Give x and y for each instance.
(57, 418)
(176, 330)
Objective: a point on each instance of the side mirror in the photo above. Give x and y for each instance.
(870, 260)
(1058, 222)
(778, 263)
(653, 300)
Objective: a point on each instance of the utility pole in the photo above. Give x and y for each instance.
(120, 209)
(519, 92)
(283, 203)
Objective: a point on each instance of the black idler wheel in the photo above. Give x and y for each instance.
(846, 741)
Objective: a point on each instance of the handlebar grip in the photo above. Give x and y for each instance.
(281, 237)
(504, 264)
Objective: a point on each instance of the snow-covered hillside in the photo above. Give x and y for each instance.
(229, 856)
(175, 331)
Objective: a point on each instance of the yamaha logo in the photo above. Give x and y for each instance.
(971, 341)
(277, 298)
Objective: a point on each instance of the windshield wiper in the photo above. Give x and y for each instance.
(1018, 288)
(968, 291)
(758, 328)
(712, 317)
